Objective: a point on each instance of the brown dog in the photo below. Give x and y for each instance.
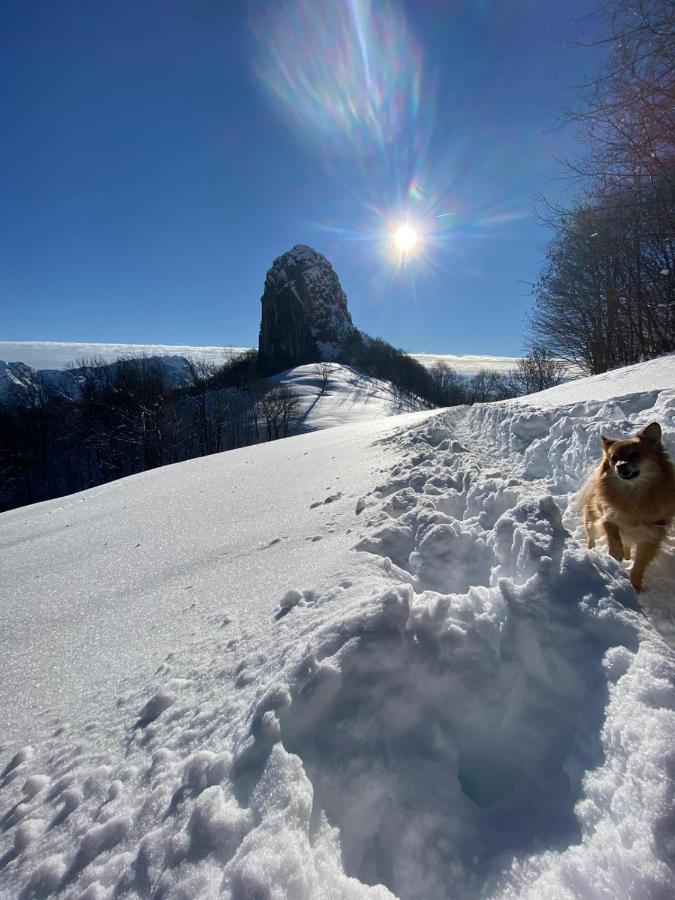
(630, 498)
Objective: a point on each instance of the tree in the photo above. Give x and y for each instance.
(199, 376)
(488, 385)
(448, 388)
(537, 371)
(605, 297)
(607, 294)
(626, 116)
(323, 371)
(278, 406)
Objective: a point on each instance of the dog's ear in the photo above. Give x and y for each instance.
(651, 433)
(606, 443)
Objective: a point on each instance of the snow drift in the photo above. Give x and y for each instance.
(384, 664)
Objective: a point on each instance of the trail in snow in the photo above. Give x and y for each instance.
(553, 448)
(472, 704)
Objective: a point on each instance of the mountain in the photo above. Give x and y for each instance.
(304, 312)
(373, 661)
(22, 385)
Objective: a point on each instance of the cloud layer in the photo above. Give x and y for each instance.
(57, 354)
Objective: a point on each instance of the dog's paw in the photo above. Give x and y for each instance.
(637, 584)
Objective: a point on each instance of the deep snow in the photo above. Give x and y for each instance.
(370, 661)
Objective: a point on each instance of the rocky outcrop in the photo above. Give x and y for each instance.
(304, 312)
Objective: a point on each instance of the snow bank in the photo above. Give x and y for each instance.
(467, 703)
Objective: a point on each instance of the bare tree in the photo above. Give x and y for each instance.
(323, 371)
(607, 294)
(606, 297)
(488, 385)
(447, 387)
(289, 404)
(537, 371)
(199, 375)
(278, 406)
(626, 116)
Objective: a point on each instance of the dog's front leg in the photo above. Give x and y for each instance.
(614, 542)
(644, 554)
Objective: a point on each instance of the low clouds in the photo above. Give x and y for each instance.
(57, 354)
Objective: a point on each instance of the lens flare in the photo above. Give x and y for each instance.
(346, 70)
(351, 81)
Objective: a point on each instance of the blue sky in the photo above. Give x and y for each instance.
(157, 156)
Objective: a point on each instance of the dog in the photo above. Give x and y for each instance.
(630, 498)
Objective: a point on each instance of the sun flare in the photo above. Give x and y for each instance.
(406, 238)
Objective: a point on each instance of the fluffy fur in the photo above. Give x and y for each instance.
(630, 498)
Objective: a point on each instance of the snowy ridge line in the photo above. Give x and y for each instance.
(476, 707)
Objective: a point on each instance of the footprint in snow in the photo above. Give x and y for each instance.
(330, 499)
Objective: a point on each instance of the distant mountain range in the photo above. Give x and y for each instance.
(21, 384)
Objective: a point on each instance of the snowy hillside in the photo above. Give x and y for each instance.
(348, 397)
(371, 661)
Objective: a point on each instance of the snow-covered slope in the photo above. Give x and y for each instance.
(348, 397)
(372, 661)
(655, 375)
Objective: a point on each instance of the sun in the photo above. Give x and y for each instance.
(406, 238)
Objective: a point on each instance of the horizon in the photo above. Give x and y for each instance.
(57, 355)
(190, 146)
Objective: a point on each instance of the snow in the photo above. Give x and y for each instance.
(655, 375)
(370, 661)
(348, 397)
